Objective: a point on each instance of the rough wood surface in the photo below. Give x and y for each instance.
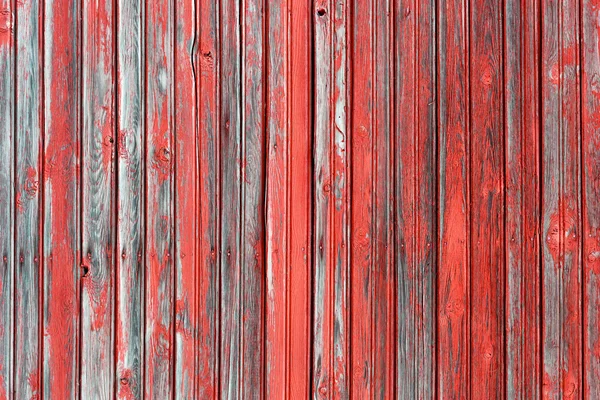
(299, 199)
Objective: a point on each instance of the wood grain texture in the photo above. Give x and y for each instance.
(522, 229)
(98, 114)
(29, 152)
(561, 201)
(7, 196)
(159, 349)
(590, 163)
(130, 240)
(299, 199)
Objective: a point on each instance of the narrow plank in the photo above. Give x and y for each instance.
(362, 182)
(278, 207)
(27, 311)
(590, 53)
(130, 274)
(7, 194)
(253, 199)
(331, 199)
(230, 131)
(160, 145)
(300, 153)
(487, 200)
(186, 162)
(98, 200)
(521, 118)
(561, 201)
(208, 67)
(415, 143)
(453, 198)
(63, 264)
(384, 317)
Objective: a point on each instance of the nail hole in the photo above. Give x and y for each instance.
(321, 12)
(86, 270)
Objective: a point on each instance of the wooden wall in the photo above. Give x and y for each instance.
(291, 199)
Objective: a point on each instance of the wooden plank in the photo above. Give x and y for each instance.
(27, 311)
(230, 131)
(300, 196)
(331, 199)
(561, 200)
(63, 265)
(7, 195)
(486, 200)
(186, 176)
(253, 200)
(384, 272)
(160, 201)
(415, 143)
(278, 206)
(98, 200)
(452, 349)
(209, 196)
(590, 162)
(362, 182)
(523, 291)
(130, 274)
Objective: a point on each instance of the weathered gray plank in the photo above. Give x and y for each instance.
(28, 206)
(231, 199)
(253, 200)
(130, 276)
(7, 195)
(98, 199)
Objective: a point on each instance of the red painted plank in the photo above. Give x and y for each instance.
(209, 140)
(98, 199)
(362, 192)
(63, 265)
(453, 284)
(590, 163)
(28, 159)
(160, 148)
(486, 200)
(561, 201)
(522, 111)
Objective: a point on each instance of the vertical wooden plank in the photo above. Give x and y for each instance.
(98, 200)
(253, 200)
(362, 192)
(160, 202)
(130, 308)
(278, 223)
(7, 194)
(487, 200)
(300, 198)
(231, 197)
(362, 181)
(63, 267)
(453, 197)
(561, 200)
(186, 213)
(590, 53)
(209, 197)
(415, 142)
(384, 317)
(331, 202)
(523, 291)
(28, 206)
